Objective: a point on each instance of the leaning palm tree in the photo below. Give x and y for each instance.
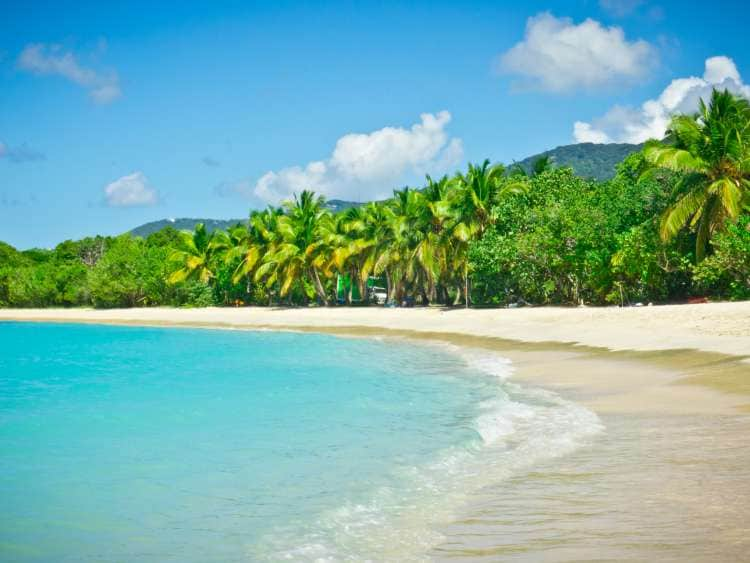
(256, 240)
(712, 150)
(194, 256)
(299, 254)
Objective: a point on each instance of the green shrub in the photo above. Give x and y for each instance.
(726, 272)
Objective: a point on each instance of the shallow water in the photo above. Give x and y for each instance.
(122, 443)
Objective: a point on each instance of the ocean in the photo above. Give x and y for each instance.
(175, 444)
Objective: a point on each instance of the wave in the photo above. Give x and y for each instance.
(516, 427)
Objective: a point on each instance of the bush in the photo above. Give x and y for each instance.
(645, 269)
(194, 294)
(726, 272)
(116, 280)
(555, 244)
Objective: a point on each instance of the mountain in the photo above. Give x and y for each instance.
(189, 223)
(183, 224)
(336, 205)
(589, 160)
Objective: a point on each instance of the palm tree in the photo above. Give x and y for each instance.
(194, 256)
(376, 234)
(712, 150)
(539, 166)
(473, 196)
(252, 243)
(338, 234)
(299, 252)
(400, 259)
(435, 246)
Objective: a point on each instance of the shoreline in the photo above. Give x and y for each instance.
(712, 327)
(686, 358)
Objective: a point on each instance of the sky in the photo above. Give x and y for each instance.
(115, 114)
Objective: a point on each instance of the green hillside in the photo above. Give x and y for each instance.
(183, 224)
(588, 160)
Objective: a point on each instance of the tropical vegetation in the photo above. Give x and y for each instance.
(673, 223)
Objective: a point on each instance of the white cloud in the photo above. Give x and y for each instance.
(584, 133)
(635, 125)
(42, 59)
(369, 165)
(557, 55)
(130, 191)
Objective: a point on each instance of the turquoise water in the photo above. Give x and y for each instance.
(123, 443)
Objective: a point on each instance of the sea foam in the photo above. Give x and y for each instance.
(516, 426)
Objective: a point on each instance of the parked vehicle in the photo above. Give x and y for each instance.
(378, 295)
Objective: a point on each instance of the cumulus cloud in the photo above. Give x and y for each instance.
(623, 124)
(367, 165)
(42, 59)
(19, 154)
(132, 190)
(558, 55)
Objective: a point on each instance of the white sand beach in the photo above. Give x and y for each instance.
(712, 327)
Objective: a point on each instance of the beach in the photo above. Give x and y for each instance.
(668, 479)
(712, 327)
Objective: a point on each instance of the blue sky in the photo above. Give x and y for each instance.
(113, 115)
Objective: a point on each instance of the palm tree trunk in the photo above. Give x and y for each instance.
(319, 286)
(466, 285)
(389, 283)
(425, 299)
(362, 289)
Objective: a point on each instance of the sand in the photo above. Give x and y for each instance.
(716, 327)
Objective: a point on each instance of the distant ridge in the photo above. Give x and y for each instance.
(588, 160)
(336, 205)
(183, 224)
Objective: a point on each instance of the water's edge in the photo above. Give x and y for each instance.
(518, 427)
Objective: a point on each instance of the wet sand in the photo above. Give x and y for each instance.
(668, 480)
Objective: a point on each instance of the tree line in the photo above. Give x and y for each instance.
(673, 223)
